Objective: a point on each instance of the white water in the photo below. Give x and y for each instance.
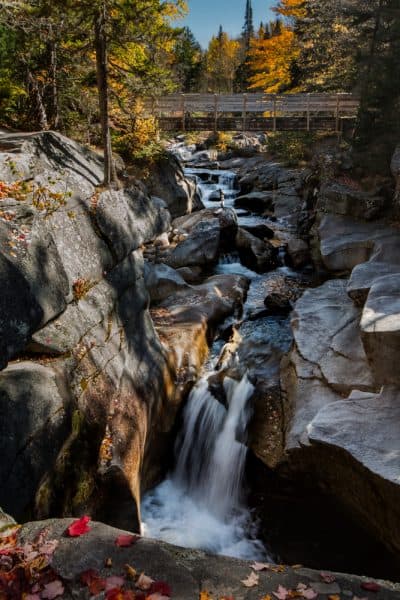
(200, 505)
(216, 180)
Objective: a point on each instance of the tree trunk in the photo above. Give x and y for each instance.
(39, 109)
(102, 88)
(54, 105)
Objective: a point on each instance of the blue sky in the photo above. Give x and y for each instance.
(206, 16)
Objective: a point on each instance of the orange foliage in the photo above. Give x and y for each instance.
(271, 61)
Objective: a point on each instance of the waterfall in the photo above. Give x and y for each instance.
(200, 504)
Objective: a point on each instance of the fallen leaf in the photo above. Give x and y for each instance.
(281, 593)
(205, 596)
(130, 571)
(157, 596)
(52, 590)
(115, 594)
(370, 586)
(251, 580)
(161, 587)
(108, 563)
(113, 582)
(31, 597)
(267, 597)
(49, 547)
(92, 579)
(78, 527)
(327, 577)
(124, 541)
(144, 582)
(334, 597)
(301, 587)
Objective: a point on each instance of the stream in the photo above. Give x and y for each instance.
(202, 504)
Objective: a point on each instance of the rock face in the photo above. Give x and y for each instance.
(95, 389)
(342, 425)
(380, 328)
(337, 198)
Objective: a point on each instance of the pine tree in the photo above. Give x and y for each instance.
(248, 27)
(243, 73)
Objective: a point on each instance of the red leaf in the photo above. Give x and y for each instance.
(115, 594)
(161, 587)
(87, 576)
(123, 541)
(120, 594)
(371, 586)
(91, 578)
(78, 527)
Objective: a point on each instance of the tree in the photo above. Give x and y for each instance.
(378, 63)
(328, 44)
(188, 61)
(222, 60)
(272, 60)
(248, 27)
(243, 72)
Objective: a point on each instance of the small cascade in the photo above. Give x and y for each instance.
(210, 183)
(200, 505)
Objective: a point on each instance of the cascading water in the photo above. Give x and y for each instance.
(200, 504)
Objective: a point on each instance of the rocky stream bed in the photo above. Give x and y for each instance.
(111, 302)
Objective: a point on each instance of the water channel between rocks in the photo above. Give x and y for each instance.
(202, 503)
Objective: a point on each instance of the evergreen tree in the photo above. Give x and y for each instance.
(188, 61)
(243, 73)
(248, 27)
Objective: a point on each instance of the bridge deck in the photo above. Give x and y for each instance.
(254, 112)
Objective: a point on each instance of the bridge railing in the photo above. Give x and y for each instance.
(272, 106)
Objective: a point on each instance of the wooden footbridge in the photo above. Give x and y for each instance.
(254, 112)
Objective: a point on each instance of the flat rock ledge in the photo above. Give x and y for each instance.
(187, 572)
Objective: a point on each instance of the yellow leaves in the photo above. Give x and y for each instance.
(291, 8)
(205, 596)
(222, 59)
(271, 61)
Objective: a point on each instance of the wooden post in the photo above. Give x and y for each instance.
(183, 108)
(308, 112)
(244, 111)
(337, 113)
(215, 112)
(274, 118)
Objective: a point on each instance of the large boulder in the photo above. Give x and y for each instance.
(167, 180)
(257, 255)
(162, 281)
(346, 243)
(340, 199)
(185, 573)
(380, 328)
(256, 201)
(200, 248)
(328, 360)
(227, 220)
(33, 426)
(356, 441)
